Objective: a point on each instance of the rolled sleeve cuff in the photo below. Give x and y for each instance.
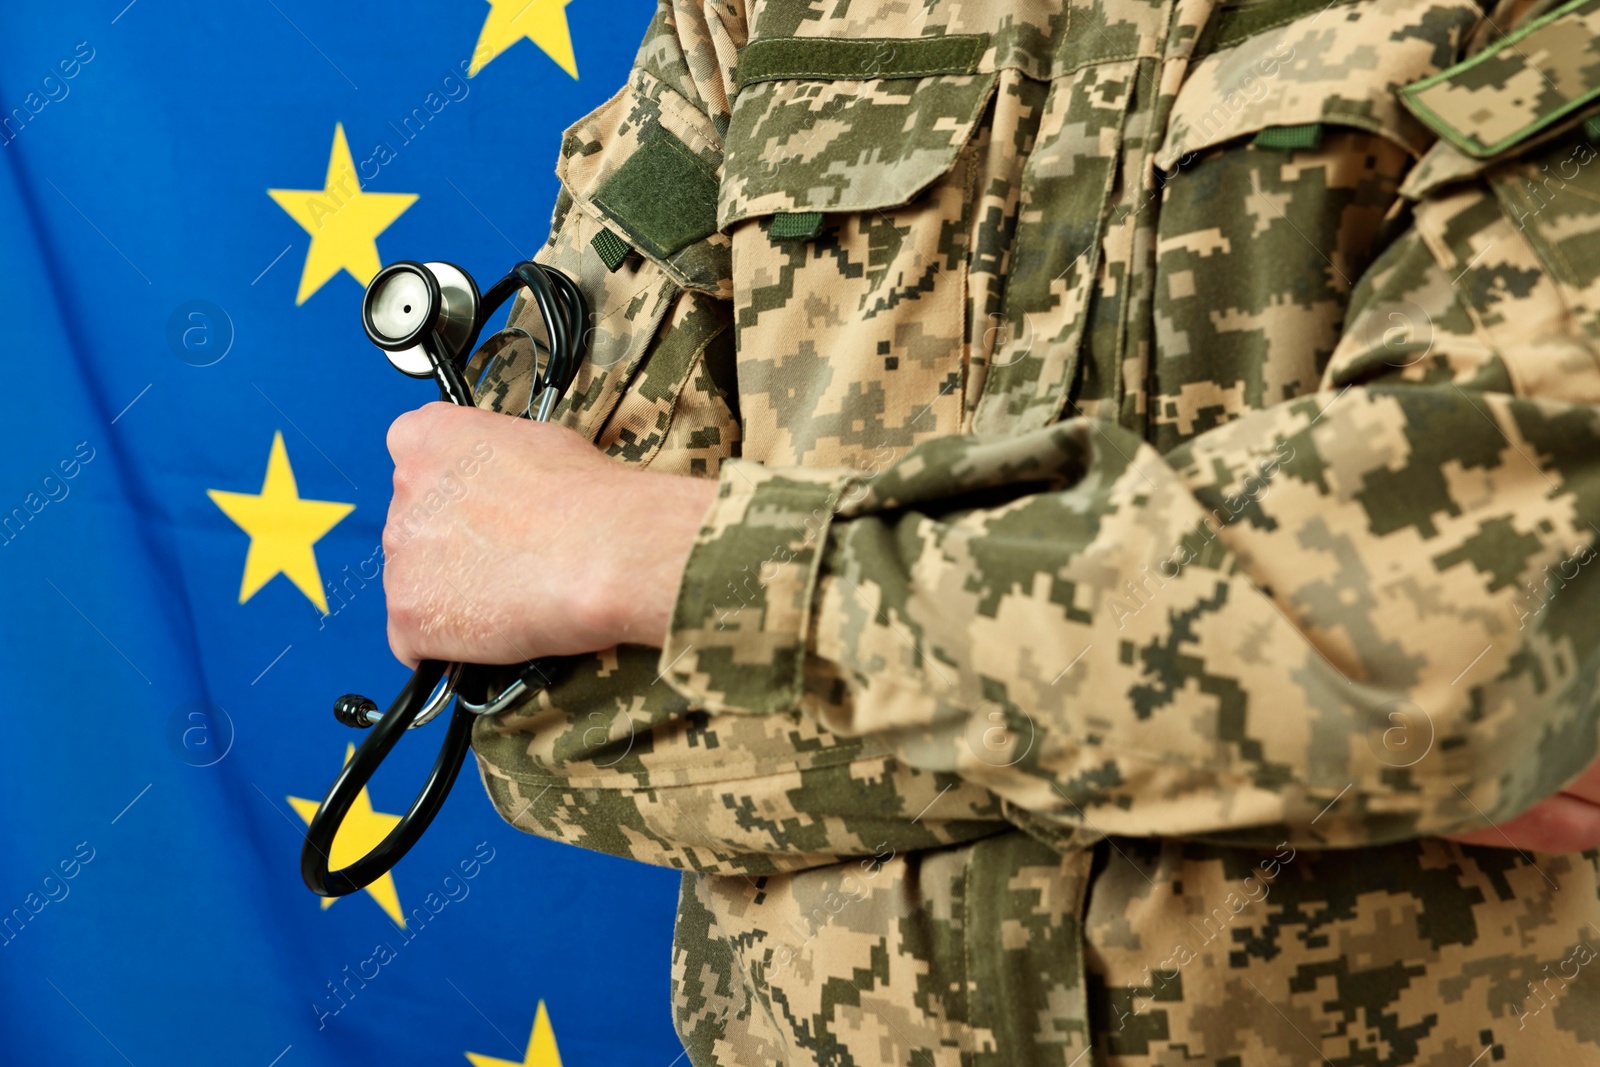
(740, 624)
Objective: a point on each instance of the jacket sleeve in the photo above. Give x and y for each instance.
(1358, 616)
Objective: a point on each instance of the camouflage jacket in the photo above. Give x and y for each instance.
(1159, 458)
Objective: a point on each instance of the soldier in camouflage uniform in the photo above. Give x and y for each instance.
(1156, 449)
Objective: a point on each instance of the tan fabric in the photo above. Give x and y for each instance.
(1134, 545)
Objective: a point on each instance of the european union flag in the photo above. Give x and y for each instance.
(192, 492)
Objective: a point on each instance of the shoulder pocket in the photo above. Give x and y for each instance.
(635, 227)
(644, 165)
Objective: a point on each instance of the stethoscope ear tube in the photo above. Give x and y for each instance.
(564, 310)
(315, 862)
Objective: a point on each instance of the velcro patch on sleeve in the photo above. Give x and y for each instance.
(664, 197)
(1516, 87)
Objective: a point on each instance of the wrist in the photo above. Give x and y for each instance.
(641, 585)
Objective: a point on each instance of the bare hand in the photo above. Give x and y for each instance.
(509, 539)
(1566, 822)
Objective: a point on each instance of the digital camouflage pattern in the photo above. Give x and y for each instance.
(1158, 477)
(1540, 73)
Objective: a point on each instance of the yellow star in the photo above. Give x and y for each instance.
(361, 830)
(541, 1047)
(544, 22)
(282, 529)
(344, 222)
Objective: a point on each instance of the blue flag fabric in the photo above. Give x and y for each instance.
(192, 491)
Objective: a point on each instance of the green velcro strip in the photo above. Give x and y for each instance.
(795, 225)
(664, 196)
(1517, 86)
(1233, 24)
(613, 249)
(1591, 128)
(839, 59)
(1289, 138)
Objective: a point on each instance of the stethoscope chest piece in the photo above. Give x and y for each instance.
(407, 301)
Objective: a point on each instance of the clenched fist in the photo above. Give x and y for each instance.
(509, 539)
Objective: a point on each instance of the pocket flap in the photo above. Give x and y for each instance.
(1321, 68)
(805, 137)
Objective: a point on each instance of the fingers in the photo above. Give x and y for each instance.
(408, 432)
(1563, 823)
(408, 607)
(471, 569)
(434, 425)
(427, 444)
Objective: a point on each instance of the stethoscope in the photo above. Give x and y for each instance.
(427, 317)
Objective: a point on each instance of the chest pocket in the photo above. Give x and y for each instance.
(1281, 167)
(846, 191)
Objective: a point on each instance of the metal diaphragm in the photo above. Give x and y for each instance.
(407, 300)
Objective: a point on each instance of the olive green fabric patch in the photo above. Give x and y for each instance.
(838, 59)
(664, 197)
(1289, 138)
(795, 225)
(1517, 86)
(613, 250)
(1591, 127)
(1232, 25)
